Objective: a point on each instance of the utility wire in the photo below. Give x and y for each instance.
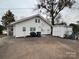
(15, 8)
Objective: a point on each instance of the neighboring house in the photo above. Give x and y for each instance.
(23, 27)
(62, 30)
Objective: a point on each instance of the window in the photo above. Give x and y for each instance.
(37, 20)
(32, 29)
(24, 28)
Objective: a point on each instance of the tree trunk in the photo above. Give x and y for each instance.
(52, 22)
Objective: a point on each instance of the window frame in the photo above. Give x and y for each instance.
(37, 20)
(23, 29)
(32, 29)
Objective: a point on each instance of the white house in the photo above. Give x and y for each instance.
(35, 23)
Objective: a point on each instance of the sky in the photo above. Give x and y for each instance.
(71, 15)
(24, 8)
(20, 8)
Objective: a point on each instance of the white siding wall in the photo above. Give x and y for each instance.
(69, 29)
(42, 27)
(61, 30)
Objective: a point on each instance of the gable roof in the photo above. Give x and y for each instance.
(28, 18)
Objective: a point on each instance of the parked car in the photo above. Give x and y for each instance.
(73, 36)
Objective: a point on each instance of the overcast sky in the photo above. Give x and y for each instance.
(23, 8)
(71, 15)
(20, 8)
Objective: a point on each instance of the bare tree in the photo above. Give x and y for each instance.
(53, 7)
